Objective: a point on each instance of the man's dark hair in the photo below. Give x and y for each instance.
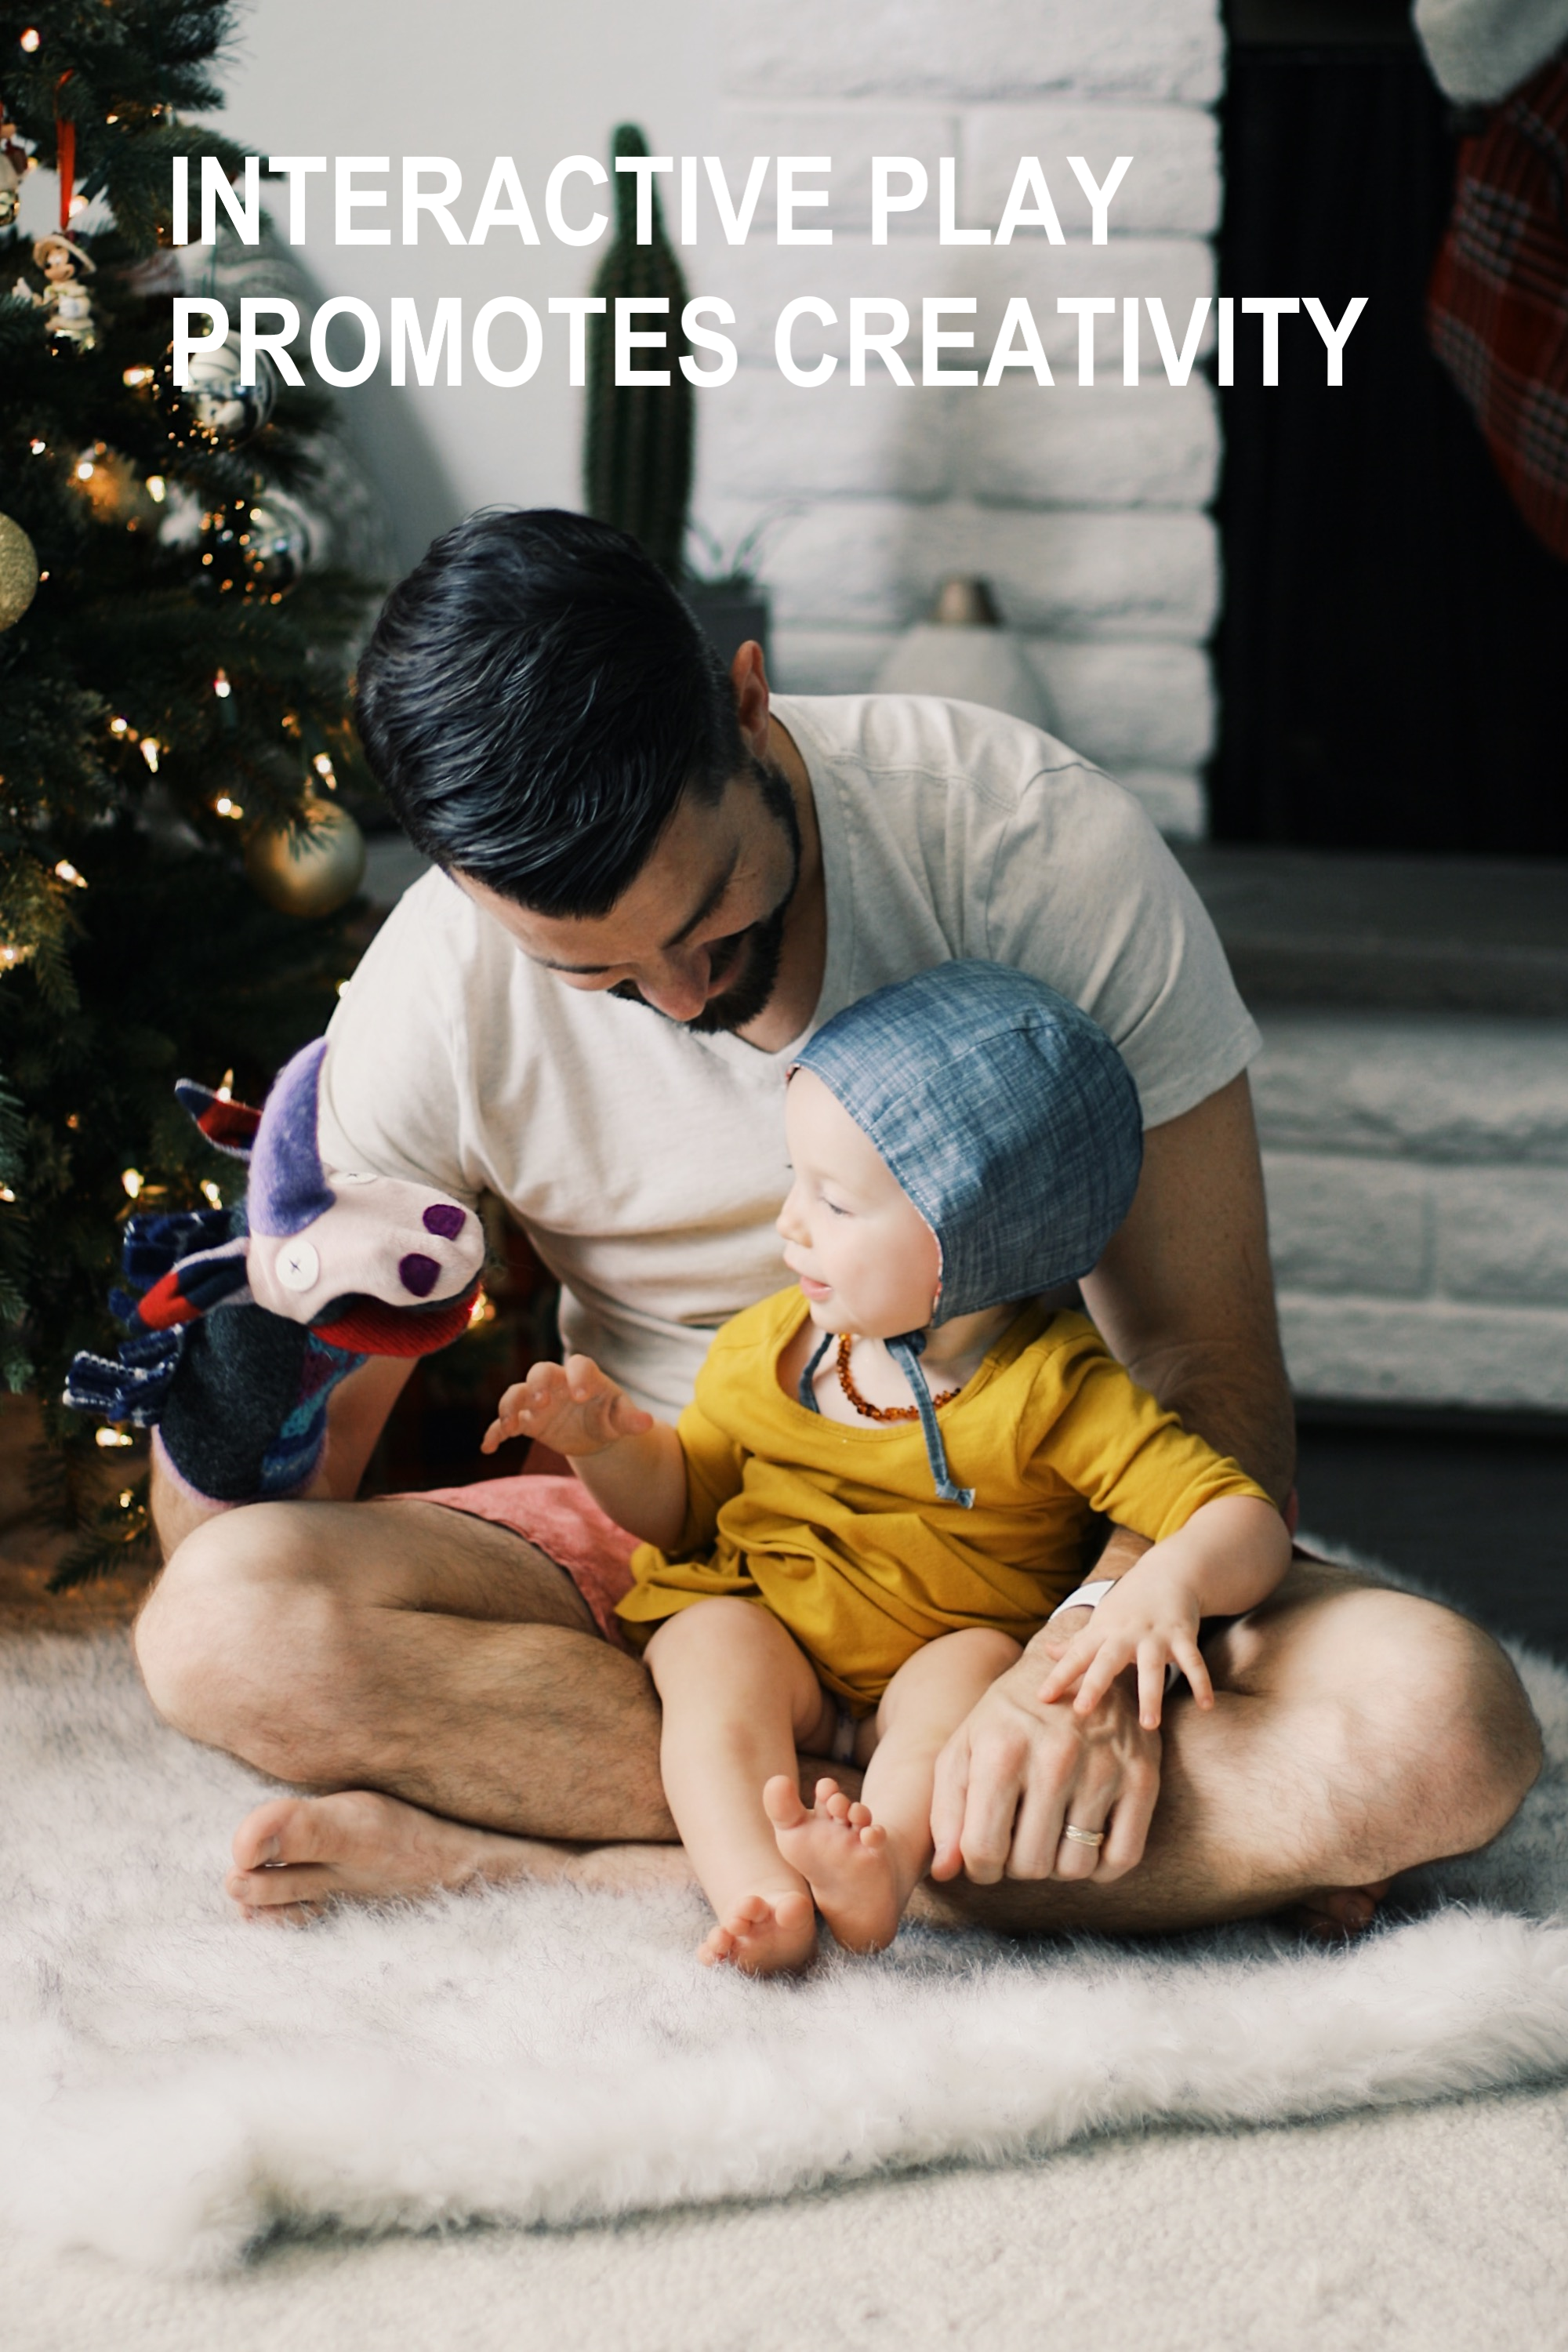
(534, 702)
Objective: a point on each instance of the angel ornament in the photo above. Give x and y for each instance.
(14, 164)
(59, 258)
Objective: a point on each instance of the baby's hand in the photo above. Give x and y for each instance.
(1151, 1620)
(574, 1407)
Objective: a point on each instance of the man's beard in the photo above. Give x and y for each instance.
(760, 944)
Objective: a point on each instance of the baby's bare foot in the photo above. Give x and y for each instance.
(765, 1934)
(842, 1855)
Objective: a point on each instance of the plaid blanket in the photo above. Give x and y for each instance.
(1497, 309)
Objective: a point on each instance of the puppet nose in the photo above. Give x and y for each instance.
(419, 1274)
(444, 1219)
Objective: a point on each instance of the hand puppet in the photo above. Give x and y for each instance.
(241, 1321)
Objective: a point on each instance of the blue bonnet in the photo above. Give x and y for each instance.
(1010, 1120)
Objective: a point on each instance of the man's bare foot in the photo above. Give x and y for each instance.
(1338, 1913)
(842, 1854)
(765, 1934)
(293, 1855)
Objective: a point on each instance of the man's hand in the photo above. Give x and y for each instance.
(1019, 1770)
(573, 1407)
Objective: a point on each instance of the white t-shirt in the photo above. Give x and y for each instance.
(646, 1164)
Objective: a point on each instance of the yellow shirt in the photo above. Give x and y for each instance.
(838, 1531)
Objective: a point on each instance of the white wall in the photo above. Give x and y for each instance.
(468, 79)
(1085, 506)
(1087, 509)
(1418, 1173)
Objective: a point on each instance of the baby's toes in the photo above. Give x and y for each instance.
(873, 1836)
(780, 1803)
(858, 1815)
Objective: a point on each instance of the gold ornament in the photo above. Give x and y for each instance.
(308, 870)
(18, 572)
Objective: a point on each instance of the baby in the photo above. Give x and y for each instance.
(881, 1487)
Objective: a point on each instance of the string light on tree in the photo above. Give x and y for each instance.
(113, 489)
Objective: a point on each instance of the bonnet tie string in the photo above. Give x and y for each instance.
(906, 1352)
(804, 1389)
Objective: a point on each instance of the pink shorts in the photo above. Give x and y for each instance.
(561, 1518)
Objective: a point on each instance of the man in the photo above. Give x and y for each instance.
(653, 883)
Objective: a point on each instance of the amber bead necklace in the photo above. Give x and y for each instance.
(862, 1405)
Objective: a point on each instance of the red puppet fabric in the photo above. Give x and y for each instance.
(1497, 309)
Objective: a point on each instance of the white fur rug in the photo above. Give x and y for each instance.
(174, 2085)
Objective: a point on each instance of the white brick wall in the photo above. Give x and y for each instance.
(1084, 506)
(1166, 49)
(1417, 1175)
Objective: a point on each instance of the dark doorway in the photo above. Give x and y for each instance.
(1394, 652)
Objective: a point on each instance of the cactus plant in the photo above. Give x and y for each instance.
(637, 458)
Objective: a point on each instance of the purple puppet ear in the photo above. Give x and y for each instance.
(287, 1188)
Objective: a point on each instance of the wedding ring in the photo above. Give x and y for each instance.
(1083, 1837)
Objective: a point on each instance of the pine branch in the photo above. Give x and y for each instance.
(169, 687)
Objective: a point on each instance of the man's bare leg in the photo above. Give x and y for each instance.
(399, 1650)
(1357, 1732)
(410, 1652)
(436, 1675)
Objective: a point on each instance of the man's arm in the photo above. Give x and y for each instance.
(1184, 1297)
(356, 1415)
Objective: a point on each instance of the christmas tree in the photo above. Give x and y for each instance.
(174, 708)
